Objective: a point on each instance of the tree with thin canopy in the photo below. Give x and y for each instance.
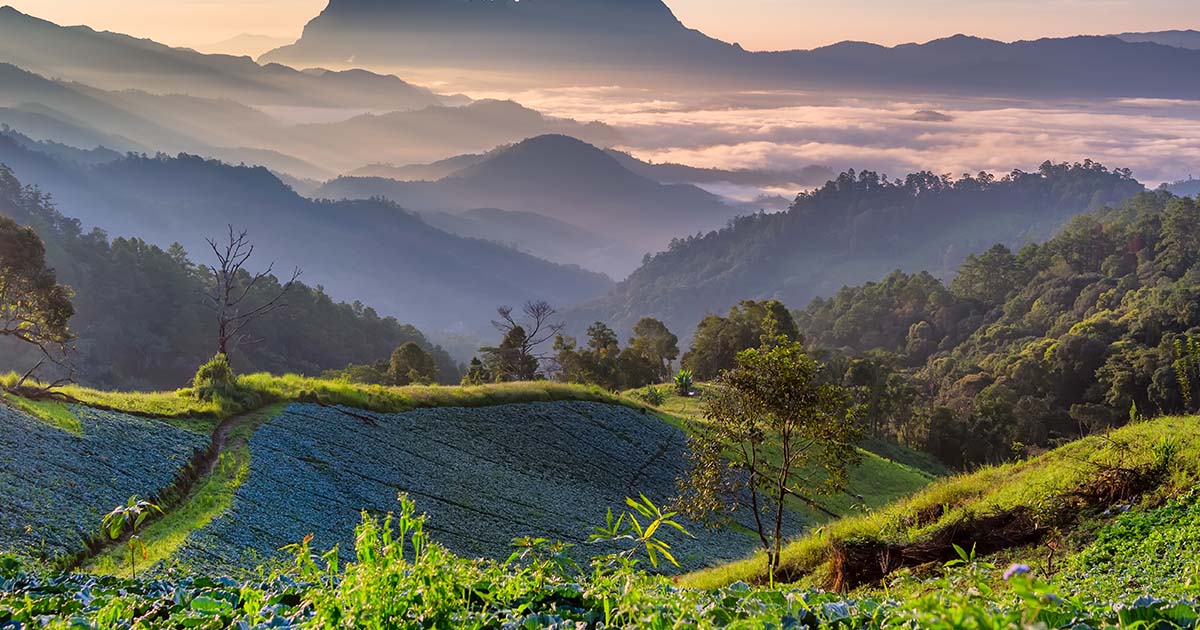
(774, 431)
(232, 287)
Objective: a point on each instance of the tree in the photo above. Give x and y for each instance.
(774, 429)
(518, 357)
(719, 339)
(477, 373)
(511, 361)
(654, 342)
(232, 284)
(596, 364)
(989, 278)
(411, 365)
(34, 307)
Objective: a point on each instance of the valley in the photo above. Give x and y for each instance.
(568, 314)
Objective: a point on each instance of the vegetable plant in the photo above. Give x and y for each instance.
(129, 517)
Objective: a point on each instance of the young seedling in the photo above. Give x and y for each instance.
(129, 517)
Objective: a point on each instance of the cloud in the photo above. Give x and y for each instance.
(1158, 139)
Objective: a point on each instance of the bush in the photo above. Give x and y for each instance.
(684, 383)
(215, 382)
(651, 395)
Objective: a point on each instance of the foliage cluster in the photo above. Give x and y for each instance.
(1029, 349)
(646, 360)
(401, 580)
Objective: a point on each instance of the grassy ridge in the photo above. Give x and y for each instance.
(182, 408)
(1044, 485)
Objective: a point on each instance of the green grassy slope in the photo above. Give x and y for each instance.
(1019, 512)
(886, 473)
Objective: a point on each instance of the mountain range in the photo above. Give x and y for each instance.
(642, 40)
(372, 251)
(1180, 39)
(114, 61)
(563, 178)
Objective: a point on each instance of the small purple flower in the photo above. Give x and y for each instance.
(1015, 570)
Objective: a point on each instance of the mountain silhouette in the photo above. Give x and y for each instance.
(562, 178)
(113, 61)
(642, 40)
(1179, 39)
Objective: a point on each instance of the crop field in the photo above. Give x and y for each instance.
(484, 477)
(56, 483)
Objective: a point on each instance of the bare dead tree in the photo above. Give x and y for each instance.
(232, 286)
(538, 328)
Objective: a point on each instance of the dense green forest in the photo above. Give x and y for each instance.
(140, 323)
(1029, 348)
(857, 227)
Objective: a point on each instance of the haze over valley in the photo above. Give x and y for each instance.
(599, 314)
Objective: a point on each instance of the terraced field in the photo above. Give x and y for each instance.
(484, 476)
(57, 482)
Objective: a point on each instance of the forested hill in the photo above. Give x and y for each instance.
(1083, 332)
(140, 323)
(857, 227)
(369, 250)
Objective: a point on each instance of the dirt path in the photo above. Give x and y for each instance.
(182, 489)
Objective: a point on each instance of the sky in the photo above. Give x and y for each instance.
(756, 24)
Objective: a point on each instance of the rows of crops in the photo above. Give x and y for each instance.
(484, 476)
(55, 484)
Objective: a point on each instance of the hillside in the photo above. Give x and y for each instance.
(371, 251)
(140, 322)
(1026, 349)
(1189, 187)
(451, 448)
(1144, 473)
(1065, 513)
(113, 61)
(562, 178)
(481, 476)
(857, 227)
(540, 235)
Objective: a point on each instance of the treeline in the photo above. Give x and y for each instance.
(140, 324)
(856, 228)
(1026, 349)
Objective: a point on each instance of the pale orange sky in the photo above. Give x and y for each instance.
(756, 24)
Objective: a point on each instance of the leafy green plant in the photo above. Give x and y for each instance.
(651, 395)
(684, 383)
(129, 517)
(638, 535)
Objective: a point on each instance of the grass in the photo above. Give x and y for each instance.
(182, 408)
(211, 497)
(53, 413)
(880, 478)
(1039, 484)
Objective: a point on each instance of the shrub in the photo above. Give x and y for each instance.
(684, 383)
(215, 382)
(651, 395)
